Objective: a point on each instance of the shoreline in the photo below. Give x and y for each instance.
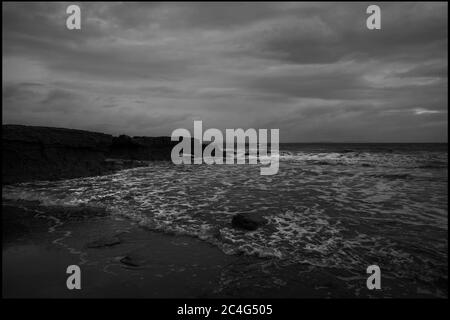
(138, 263)
(120, 259)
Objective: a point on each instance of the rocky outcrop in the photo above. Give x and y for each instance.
(248, 221)
(104, 242)
(135, 259)
(141, 148)
(36, 153)
(44, 153)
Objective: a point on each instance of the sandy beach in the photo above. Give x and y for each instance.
(38, 247)
(119, 259)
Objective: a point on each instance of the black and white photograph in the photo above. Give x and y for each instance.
(225, 150)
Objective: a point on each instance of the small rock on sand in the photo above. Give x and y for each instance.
(104, 242)
(135, 259)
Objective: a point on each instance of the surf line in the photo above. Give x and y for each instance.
(235, 142)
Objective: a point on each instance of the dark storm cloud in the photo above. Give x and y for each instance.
(313, 70)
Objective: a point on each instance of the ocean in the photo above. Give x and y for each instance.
(336, 207)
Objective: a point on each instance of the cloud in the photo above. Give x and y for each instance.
(420, 111)
(313, 70)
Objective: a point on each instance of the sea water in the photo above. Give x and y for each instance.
(338, 206)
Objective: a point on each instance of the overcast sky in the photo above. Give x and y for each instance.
(312, 70)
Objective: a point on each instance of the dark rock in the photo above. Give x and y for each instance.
(104, 242)
(41, 153)
(44, 153)
(134, 260)
(248, 221)
(141, 148)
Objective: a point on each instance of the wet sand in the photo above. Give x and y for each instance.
(38, 247)
(120, 259)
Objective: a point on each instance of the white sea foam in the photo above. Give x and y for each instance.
(324, 209)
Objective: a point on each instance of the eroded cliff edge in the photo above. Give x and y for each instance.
(44, 153)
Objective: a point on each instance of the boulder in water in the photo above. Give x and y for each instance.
(248, 221)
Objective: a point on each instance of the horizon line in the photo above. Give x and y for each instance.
(285, 142)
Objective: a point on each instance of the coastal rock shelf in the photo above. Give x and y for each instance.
(43, 153)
